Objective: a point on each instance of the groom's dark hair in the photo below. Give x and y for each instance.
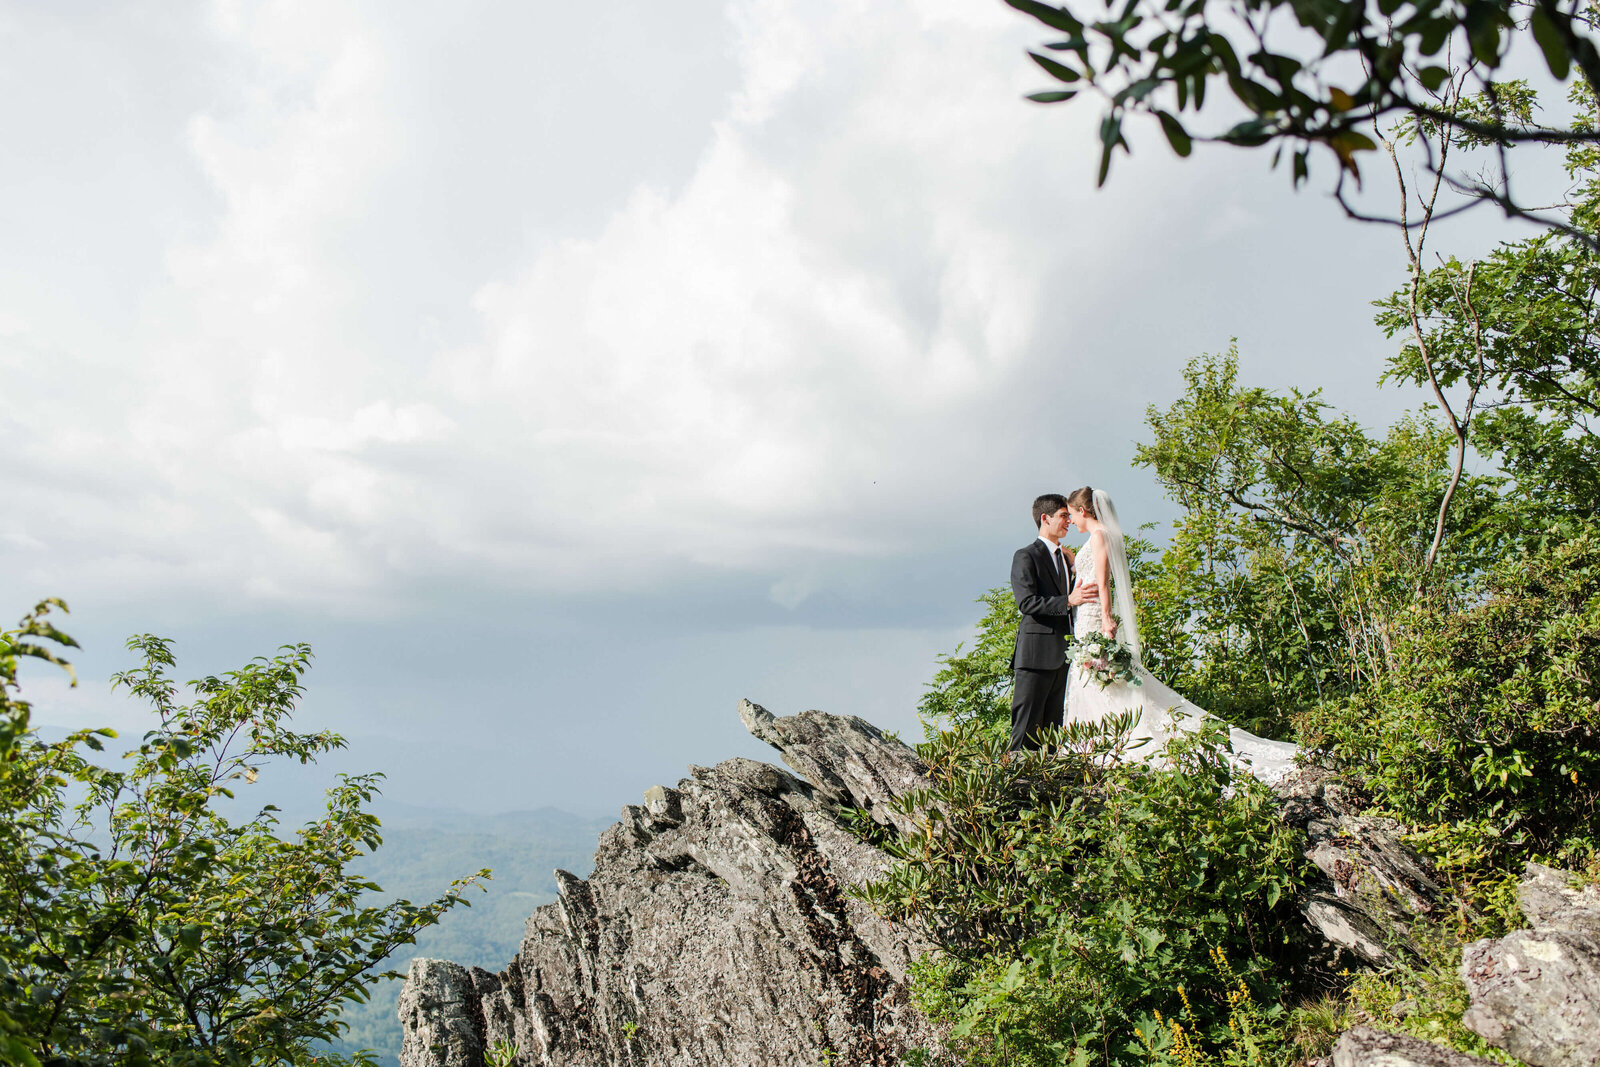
(1048, 504)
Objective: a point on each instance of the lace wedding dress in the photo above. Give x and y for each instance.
(1163, 713)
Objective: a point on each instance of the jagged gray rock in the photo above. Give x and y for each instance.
(1370, 885)
(846, 759)
(715, 929)
(1366, 1047)
(1549, 897)
(1536, 992)
(440, 1011)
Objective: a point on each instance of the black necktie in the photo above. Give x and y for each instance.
(1061, 566)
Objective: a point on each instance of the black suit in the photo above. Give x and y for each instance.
(1039, 659)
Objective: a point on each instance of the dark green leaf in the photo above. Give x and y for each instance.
(1433, 77)
(1551, 43)
(1058, 71)
(1177, 136)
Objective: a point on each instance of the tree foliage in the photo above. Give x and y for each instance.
(1520, 328)
(140, 924)
(1301, 537)
(1320, 73)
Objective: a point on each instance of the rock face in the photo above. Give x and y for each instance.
(1536, 992)
(442, 1011)
(714, 930)
(1370, 885)
(1366, 1047)
(847, 761)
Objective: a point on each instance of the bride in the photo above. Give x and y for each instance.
(1162, 713)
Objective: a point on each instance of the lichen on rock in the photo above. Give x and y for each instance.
(1536, 992)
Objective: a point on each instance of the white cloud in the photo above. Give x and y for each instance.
(840, 292)
(841, 315)
(469, 340)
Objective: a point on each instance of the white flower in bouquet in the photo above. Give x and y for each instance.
(1105, 659)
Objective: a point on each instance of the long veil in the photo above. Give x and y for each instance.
(1122, 581)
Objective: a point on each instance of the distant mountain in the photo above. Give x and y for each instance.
(423, 850)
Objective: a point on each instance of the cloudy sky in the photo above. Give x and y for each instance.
(565, 372)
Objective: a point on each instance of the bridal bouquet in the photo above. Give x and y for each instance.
(1104, 659)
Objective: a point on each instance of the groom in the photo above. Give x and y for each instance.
(1041, 580)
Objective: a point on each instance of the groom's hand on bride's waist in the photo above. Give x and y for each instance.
(1082, 593)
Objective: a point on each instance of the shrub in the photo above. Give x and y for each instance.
(1077, 895)
(1485, 732)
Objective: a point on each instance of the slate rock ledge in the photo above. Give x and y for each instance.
(1536, 992)
(714, 930)
(1366, 1047)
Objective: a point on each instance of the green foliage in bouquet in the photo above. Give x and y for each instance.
(1488, 730)
(138, 924)
(1104, 659)
(1077, 895)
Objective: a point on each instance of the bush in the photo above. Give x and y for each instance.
(138, 925)
(1485, 733)
(1076, 896)
(977, 684)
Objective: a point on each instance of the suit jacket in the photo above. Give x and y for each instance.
(1046, 616)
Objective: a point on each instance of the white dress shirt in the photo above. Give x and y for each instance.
(1058, 556)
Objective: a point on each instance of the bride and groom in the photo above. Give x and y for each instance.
(1060, 595)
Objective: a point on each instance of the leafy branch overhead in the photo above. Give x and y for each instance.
(1323, 73)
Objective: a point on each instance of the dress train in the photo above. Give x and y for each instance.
(1162, 712)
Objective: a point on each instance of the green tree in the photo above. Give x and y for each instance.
(1517, 335)
(1323, 73)
(141, 925)
(32, 639)
(1301, 539)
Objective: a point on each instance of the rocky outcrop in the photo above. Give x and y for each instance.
(442, 1012)
(1536, 992)
(1369, 886)
(848, 761)
(1366, 1047)
(716, 928)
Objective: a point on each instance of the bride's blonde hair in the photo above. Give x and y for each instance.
(1083, 498)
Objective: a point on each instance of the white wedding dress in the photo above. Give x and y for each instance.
(1162, 712)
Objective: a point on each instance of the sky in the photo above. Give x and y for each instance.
(564, 373)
